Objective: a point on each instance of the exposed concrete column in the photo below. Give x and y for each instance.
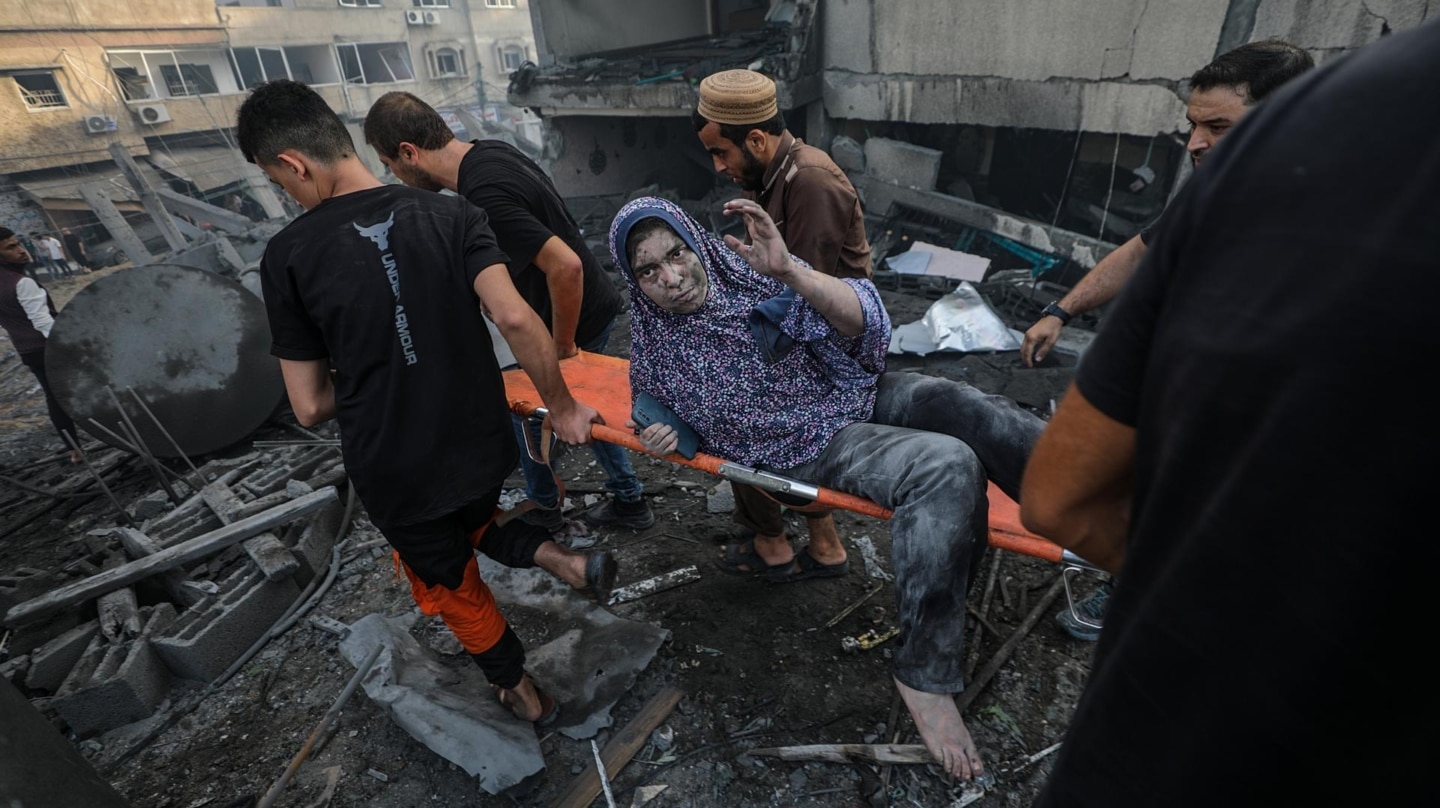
(221, 218)
(153, 206)
(263, 192)
(105, 210)
(819, 129)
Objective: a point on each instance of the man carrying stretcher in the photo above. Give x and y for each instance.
(781, 367)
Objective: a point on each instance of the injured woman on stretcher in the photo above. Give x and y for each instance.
(783, 368)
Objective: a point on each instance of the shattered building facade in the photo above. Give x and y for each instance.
(1058, 126)
(164, 78)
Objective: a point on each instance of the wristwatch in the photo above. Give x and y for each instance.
(1054, 310)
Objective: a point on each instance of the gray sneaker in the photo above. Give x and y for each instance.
(1087, 618)
(614, 513)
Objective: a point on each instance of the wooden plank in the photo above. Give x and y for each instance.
(182, 553)
(586, 786)
(850, 753)
(139, 545)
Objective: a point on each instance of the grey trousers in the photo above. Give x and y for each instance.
(926, 453)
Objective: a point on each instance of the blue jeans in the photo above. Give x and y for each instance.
(926, 452)
(620, 476)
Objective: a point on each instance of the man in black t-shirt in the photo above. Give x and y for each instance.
(1221, 93)
(1265, 645)
(552, 267)
(386, 285)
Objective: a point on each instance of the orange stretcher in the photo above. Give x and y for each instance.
(603, 382)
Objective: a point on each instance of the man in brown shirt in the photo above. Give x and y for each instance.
(818, 214)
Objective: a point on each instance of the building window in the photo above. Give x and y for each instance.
(446, 61)
(157, 75)
(187, 79)
(359, 3)
(511, 57)
(375, 62)
(432, 3)
(308, 64)
(40, 90)
(499, 3)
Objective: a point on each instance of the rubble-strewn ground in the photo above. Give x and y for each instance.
(757, 663)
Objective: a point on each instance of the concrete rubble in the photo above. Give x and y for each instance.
(118, 668)
(587, 667)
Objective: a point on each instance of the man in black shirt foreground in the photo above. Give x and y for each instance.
(386, 284)
(549, 262)
(1230, 444)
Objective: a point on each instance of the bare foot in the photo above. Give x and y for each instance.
(75, 457)
(525, 700)
(943, 732)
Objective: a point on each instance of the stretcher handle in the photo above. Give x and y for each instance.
(824, 497)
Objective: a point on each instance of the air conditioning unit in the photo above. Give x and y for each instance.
(151, 114)
(414, 16)
(432, 18)
(99, 124)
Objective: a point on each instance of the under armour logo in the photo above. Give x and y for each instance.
(378, 233)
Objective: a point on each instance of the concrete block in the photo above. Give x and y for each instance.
(149, 506)
(114, 685)
(203, 641)
(317, 539)
(901, 163)
(15, 669)
(331, 475)
(720, 499)
(53, 661)
(297, 464)
(848, 154)
(273, 558)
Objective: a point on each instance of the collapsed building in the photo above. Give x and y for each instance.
(1037, 133)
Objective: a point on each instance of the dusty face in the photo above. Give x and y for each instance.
(406, 170)
(11, 252)
(734, 160)
(670, 273)
(1212, 113)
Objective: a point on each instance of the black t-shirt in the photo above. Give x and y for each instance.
(1150, 231)
(1266, 643)
(525, 211)
(421, 405)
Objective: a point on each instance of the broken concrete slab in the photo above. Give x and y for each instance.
(901, 163)
(452, 711)
(848, 154)
(591, 662)
(720, 499)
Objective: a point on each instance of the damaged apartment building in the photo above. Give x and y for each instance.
(1037, 132)
(86, 85)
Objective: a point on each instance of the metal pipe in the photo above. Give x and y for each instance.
(334, 712)
(166, 433)
(84, 458)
